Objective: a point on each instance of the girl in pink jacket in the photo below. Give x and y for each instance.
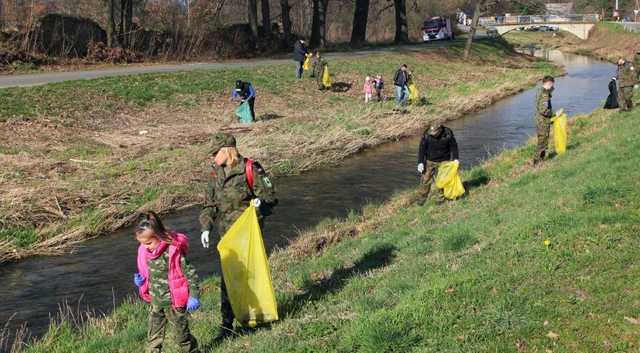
(166, 280)
(368, 89)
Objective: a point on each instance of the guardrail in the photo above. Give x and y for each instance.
(629, 26)
(543, 19)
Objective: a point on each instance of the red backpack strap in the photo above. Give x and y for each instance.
(248, 170)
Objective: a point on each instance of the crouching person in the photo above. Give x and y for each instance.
(167, 281)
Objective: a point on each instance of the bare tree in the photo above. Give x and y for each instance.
(402, 28)
(360, 18)
(253, 17)
(111, 23)
(319, 23)
(474, 27)
(266, 16)
(286, 22)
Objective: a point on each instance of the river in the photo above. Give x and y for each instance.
(99, 274)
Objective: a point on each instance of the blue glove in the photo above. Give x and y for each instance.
(138, 280)
(193, 304)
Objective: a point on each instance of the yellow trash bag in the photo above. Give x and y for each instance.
(246, 271)
(449, 180)
(414, 94)
(560, 133)
(326, 78)
(307, 63)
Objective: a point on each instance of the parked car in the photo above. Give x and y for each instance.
(545, 28)
(437, 28)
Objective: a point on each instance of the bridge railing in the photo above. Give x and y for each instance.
(543, 19)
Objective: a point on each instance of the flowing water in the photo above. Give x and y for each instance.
(99, 275)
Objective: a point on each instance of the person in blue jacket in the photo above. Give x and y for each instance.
(244, 91)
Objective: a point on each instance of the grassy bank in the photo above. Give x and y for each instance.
(533, 260)
(79, 158)
(608, 41)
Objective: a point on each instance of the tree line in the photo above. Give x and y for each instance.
(355, 22)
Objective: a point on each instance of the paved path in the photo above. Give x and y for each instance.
(45, 78)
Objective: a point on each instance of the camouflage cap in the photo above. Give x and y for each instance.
(221, 140)
(435, 127)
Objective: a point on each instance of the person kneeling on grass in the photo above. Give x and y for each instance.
(438, 144)
(244, 92)
(167, 281)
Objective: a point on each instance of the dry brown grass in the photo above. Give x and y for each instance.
(86, 175)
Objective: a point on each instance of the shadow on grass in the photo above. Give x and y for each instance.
(478, 178)
(270, 116)
(376, 258)
(341, 87)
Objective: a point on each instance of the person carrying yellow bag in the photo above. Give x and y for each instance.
(437, 146)
(246, 273)
(560, 132)
(233, 183)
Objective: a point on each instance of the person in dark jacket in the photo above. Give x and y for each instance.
(401, 83)
(438, 144)
(244, 91)
(612, 100)
(299, 54)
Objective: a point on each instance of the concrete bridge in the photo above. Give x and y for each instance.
(579, 25)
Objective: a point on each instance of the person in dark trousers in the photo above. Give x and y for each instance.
(233, 182)
(612, 99)
(401, 82)
(438, 145)
(299, 55)
(244, 91)
(379, 85)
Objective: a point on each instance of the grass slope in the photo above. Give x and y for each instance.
(474, 275)
(81, 168)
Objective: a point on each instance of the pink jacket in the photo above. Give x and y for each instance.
(368, 88)
(178, 284)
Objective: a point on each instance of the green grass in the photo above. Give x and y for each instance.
(473, 275)
(83, 136)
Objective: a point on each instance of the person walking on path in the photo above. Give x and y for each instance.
(627, 78)
(401, 81)
(438, 145)
(245, 92)
(233, 183)
(299, 55)
(167, 281)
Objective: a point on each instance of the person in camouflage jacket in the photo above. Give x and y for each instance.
(627, 78)
(167, 281)
(233, 182)
(544, 113)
